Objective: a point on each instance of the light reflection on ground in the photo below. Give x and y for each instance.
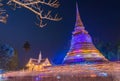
(78, 72)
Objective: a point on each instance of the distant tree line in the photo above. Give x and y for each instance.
(110, 50)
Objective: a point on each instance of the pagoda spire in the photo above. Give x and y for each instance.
(78, 18)
(40, 57)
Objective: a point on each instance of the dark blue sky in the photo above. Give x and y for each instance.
(101, 19)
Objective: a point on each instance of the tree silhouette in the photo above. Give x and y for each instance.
(6, 53)
(118, 50)
(13, 64)
(26, 46)
(107, 49)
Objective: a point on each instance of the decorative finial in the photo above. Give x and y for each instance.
(78, 19)
(40, 57)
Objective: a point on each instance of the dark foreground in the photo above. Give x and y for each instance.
(61, 78)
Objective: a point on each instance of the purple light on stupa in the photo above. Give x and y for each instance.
(82, 49)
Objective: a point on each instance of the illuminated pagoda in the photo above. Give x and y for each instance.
(38, 64)
(82, 49)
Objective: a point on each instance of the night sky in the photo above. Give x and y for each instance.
(101, 19)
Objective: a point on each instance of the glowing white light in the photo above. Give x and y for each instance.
(58, 77)
(103, 74)
(1, 77)
(78, 55)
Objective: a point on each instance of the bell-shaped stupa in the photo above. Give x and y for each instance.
(82, 49)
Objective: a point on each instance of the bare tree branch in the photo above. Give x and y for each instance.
(50, 3)
(34, 6)
(3, 14)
